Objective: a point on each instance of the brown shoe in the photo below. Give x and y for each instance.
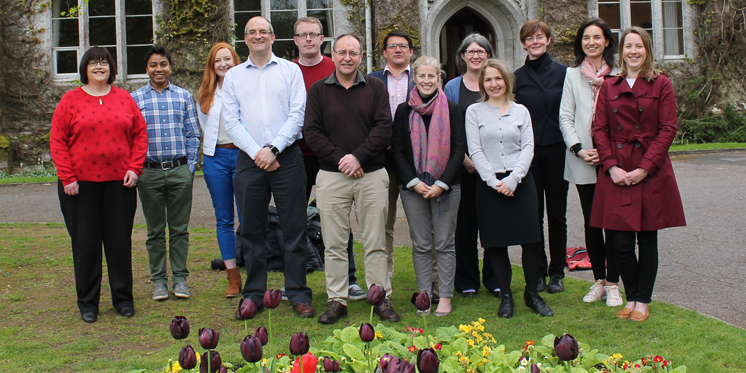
(639, 316)
(234, 283)
(624, 313)
(386, 312)
(304, 310)
(334, 311)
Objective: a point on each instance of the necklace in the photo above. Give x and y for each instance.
(100, 101)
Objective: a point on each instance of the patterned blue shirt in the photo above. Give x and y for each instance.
(173, 130)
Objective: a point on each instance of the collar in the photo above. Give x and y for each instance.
(332, 79)
(407, 69)
(315, 64)
(168, 87)
(272, 59)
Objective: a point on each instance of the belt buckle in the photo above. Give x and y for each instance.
(166, 165)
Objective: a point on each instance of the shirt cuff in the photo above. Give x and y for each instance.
(253, 149)
(413, 182)
(442, 185)
(511, 181)
(575, 149)
(492, 182)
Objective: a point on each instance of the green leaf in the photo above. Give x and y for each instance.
(353, 352)
(461, 344)
(446, 334)
(350, 334)
(420, 342)
(548, 340)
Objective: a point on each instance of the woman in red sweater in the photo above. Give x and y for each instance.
(98, 144)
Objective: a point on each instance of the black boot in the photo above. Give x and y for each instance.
(506, 306)
(535, 302)
(542, 285)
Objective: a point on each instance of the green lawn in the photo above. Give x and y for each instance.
(41, 330)
(729, 145)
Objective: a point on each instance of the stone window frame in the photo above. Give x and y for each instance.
(84, 44)
(284, 36)
(687, 26)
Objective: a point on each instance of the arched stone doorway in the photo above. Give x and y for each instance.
(498, 20)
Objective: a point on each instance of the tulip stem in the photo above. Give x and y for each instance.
(271, 337)
(424, 318)
(367, 355)
(246, 326)
(371, 314)
(170, 366)
(301, 364)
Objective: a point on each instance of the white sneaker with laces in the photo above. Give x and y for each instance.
(355, 292)
(597, 292)
(613, 296)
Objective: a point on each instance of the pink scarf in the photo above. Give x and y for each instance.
(432, 147)
(595, 79)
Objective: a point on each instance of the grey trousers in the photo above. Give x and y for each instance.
(431, 229)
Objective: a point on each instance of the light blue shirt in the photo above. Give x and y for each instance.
(264, 106)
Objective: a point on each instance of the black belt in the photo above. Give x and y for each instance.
(167, 165)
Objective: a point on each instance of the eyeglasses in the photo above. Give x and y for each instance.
(313, 35)
(93, 63)
(260, 32)
(352, 54)
(403, 46)
(472, 52)
(531, 39)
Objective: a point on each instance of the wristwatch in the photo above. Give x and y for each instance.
(274, 150)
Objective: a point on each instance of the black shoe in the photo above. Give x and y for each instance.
(386, 312)
(498, 294)
(469, 294)
(555, 285)
(542, 285)
(89, 317)
(334, 311)
(535, 302)
(506, 306)
(127, 311)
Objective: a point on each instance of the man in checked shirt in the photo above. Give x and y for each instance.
(165, 186)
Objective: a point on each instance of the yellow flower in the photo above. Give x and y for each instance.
(474, 333)
(379, 335)
(481, 320)
(458, 353)
(480, 328)
(471, 343)
(493, 340)
(479, 338)
(486, 351)
(487, 335)
(464, 328)
(484, 361)
(616, 356)
(464, 360)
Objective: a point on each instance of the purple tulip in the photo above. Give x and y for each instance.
(187, 357)
(214, 360)
(223, 370)
(406, 367)
(394, 365)
(272, 298)
(385, 359)
(421, 300)
(251, 349)
(299, 344)
(246, 309)
(535, 368)
(179, 327)
(566, 347)
(367, 333)
(262, 335)
(376, 295)
(331, 365)
(427, 361)
(208, 338)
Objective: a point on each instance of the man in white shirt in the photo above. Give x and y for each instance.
(263, 105)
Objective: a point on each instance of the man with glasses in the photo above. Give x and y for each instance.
(348, 126)
(309, 36)
(165, 186)
(397, 76)
(263, 104)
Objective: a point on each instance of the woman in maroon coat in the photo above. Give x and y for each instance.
(636, 193)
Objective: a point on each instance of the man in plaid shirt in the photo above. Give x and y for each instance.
(165, 186)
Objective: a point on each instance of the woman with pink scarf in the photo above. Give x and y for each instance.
(594, 60)
(428, 143)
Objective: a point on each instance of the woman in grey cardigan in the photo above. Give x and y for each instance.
(594, 59)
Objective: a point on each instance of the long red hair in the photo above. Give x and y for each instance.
(206, 91)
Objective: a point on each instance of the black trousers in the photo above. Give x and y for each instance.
(600, 251)
(548, 168)
(467, 233)
(500, 262)
(638, 271)
(254, 189)
(101, 213)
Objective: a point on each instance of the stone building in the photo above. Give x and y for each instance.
(41, 51)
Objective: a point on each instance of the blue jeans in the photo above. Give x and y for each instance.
(220, 170)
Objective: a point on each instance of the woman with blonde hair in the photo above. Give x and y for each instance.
(220, 154)
(501, 143)
(636, 192)
(428, 144)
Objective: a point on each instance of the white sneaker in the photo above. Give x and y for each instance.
(597, 292)
(355, 292)
(613, 298)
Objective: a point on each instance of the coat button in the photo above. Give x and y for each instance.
(615, 110)
(617, 96)
(620, 128)
(637, 126)
(637, 145)
(619, 146)
(640, 109)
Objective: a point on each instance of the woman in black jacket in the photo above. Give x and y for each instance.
(538, 87)
(428, 143)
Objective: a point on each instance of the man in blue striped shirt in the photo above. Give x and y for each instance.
(165, 186)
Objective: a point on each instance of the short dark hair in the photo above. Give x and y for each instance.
(608, 51)
(97, 54)
(400, 33)
(159, 50)
(350, 35)
(530, 27)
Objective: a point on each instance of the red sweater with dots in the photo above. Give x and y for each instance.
(97, 138)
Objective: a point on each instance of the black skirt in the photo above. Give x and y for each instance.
(506, 221)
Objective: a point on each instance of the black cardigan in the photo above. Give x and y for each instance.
(401, 145)
(540, 91)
